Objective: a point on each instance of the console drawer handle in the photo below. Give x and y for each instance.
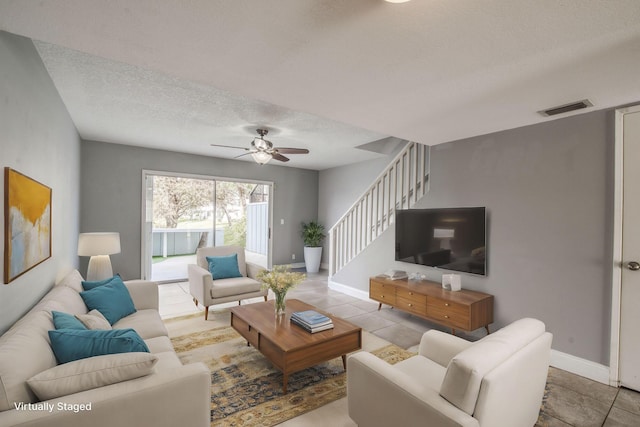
(410, 305)
(446, 317)
(446, 304)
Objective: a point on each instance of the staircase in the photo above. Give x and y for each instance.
(399, 186)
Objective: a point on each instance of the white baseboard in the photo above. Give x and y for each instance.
(348, 290)
(323, 266)
(295, 265)
(583, 367)
(567, 362)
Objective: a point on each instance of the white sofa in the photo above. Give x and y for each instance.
(207, 291)
(497, 381)
(171, 395)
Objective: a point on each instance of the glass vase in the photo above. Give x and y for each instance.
(279, 303)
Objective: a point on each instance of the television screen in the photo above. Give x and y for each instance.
(449, 238)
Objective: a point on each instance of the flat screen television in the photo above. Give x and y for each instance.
(448, 238)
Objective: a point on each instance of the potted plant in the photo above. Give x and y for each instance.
(312, 235)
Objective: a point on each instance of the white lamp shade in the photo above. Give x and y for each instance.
(90, 244)
(444, 233)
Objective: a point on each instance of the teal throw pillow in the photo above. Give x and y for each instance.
(66, 321)
(87, 286)
(224, 267)
(112, 300)
(73, 344)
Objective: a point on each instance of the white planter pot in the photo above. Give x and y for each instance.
(312, 257)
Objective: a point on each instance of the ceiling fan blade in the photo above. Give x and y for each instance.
(280, 157)
(244, 154)
(286, 150)
(229, 146)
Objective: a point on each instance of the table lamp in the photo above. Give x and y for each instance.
(445, 235)
(99, 246)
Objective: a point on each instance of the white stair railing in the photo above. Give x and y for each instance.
(399, 186)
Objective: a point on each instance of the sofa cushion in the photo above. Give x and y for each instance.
(72, 280)
(466, 370)
(47, 306)
(88, 285)
(72, 344)
(146, 323)
(159, 345)
(167, 360)
(28, 344)
(429, 372)
(167, 357)
(223, 267)
(66, 321)
(112, 300)
(94, 372)
(62, 298)
(93, 320)
(144, 294)
(239, 285)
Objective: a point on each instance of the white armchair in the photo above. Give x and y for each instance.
(206, 290)
(497, 381)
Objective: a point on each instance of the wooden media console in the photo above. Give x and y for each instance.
(464, 310)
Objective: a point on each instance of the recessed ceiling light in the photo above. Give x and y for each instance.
(396, 1)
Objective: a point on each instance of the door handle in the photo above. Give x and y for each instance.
(633, 266)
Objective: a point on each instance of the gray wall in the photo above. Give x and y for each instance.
(341, 186)
(112, 185)
(38, 139)
(548, 189)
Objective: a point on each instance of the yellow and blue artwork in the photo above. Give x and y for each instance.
(27, 218)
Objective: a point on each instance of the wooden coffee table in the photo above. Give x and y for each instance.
(289, 347)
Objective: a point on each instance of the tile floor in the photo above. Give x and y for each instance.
(571, 400)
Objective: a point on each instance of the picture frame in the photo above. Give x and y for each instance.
(27, 224)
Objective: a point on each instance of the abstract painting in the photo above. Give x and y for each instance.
(27, 224)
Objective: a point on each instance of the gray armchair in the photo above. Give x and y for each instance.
(206, 290)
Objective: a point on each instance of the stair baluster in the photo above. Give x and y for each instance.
(399, 186)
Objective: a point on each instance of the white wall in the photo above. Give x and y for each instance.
(38, 139)
(548, 192)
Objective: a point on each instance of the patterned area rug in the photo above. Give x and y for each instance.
(247, 390)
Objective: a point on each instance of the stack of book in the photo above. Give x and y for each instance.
(311, 321)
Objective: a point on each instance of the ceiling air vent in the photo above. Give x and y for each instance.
(585, 103)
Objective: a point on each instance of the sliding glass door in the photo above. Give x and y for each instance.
(185, 212)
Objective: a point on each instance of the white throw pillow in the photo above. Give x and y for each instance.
(94, 320)
(93, 372)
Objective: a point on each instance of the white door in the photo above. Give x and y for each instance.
(629, 362)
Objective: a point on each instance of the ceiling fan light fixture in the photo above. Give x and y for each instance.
(263, 151)
(260, 144)
(261, 157)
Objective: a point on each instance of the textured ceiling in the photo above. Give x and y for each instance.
(117, 102)
(183, 74)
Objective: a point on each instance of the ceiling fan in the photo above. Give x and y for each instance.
(263, 150)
